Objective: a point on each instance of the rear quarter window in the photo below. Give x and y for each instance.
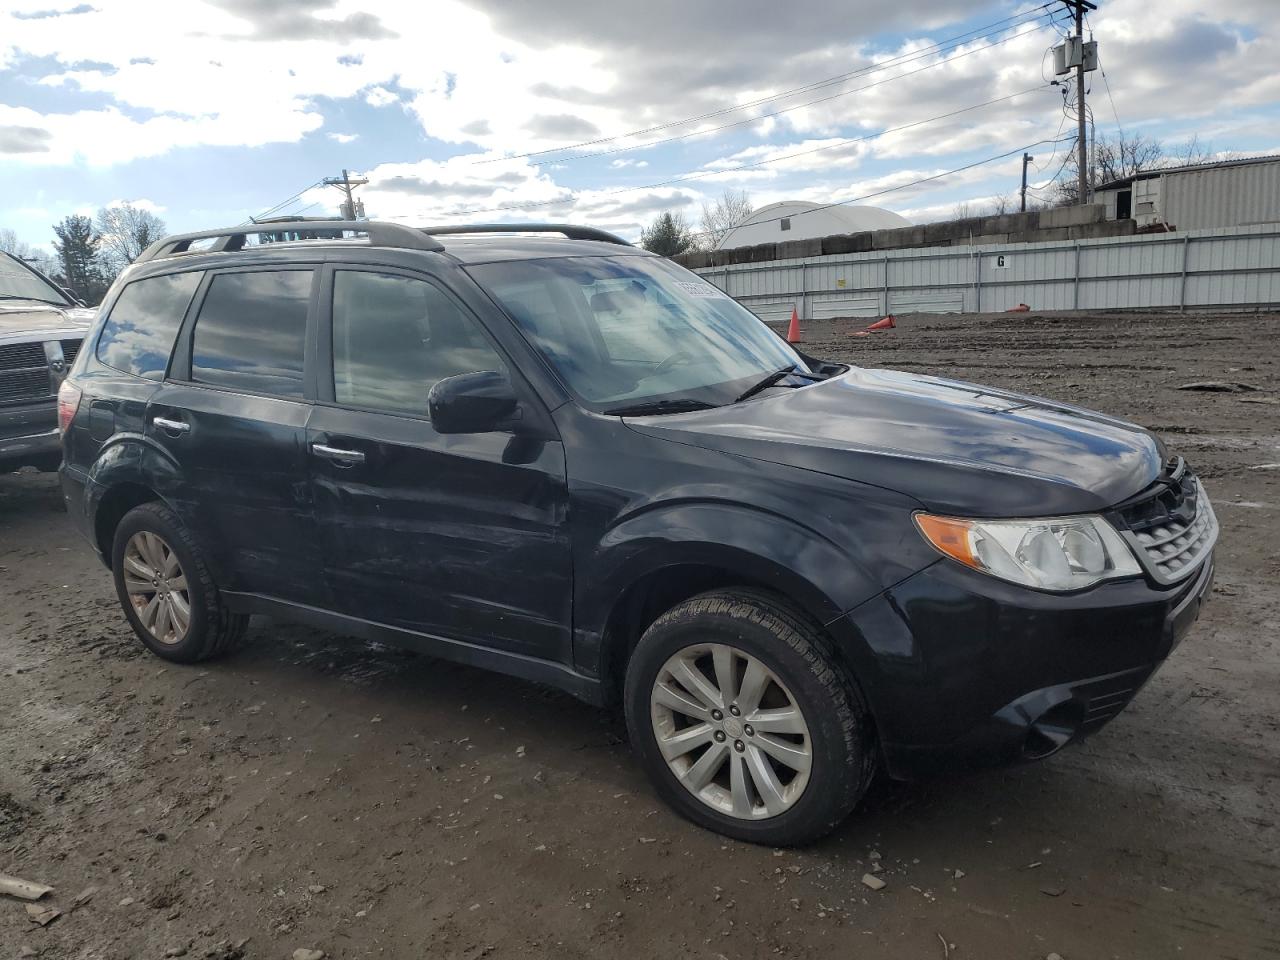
(138, 335)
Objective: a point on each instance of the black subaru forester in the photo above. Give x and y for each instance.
(570, 460)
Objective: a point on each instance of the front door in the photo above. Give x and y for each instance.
(232, 419)
(462, 536)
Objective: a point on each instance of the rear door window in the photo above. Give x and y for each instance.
(251, 332)
(138, 335)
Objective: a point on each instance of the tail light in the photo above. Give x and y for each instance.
(68, 404)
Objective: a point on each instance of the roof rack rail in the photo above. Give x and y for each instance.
(380, 233)
(567, 229)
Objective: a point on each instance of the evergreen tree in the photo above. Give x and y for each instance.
(77, 252)
(668, 235)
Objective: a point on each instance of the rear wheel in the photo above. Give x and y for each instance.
(166, 590)
(744, 721)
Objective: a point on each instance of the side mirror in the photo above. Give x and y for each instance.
(471, 403)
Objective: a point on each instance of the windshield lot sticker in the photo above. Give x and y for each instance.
(695, 289)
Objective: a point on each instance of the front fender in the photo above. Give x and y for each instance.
(824, 573)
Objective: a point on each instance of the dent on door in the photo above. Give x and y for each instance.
(463, 536)
(243, 485)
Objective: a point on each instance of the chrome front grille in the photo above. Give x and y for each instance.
(69, 350)
(24, 372)
(1173, 530)
(25, 385)
(18, 356)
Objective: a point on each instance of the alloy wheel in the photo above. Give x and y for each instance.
(731, 732)
(157, 587)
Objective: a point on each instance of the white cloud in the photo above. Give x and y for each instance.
(379, 97)
(142, 203)
(491, 76)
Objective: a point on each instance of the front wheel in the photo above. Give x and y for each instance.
(745, 723)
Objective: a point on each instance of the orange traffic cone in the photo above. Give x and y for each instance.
(793, 331)
(886, 324)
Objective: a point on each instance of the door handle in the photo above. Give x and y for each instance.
(172, 426)
(346, 458)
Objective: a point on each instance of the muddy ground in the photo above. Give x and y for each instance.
(313, 792)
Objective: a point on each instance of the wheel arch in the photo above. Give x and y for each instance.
(128, 472)
(117, 501)
(759, 552)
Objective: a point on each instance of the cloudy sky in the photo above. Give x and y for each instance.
(209, 111)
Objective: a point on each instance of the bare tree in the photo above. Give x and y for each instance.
(995, 206)
(1125, 156)
(9, 243)
(124, 232)
(720, 217)
(1115, 158)
(1191, 151)
(40, 259)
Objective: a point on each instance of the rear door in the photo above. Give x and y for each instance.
(462, 536)
(232, 417)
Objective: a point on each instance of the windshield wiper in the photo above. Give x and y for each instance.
(766, 383)
(775, 377)
(678, 405)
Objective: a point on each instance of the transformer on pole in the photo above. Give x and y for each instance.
(1073, 54)
(351, 208)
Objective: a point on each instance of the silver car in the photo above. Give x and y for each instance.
(41, 328)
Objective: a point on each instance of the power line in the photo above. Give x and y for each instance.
(1040, 167)
(1065, 160)
(904, 186)
(282, 203)
(1107, 84)
(1034, 14)
(750, 166)
(765, 116)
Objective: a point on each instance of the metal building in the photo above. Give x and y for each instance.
(797, 220)
(1230, 268)
(1228, 193)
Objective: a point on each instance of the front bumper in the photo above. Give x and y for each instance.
(967, 671)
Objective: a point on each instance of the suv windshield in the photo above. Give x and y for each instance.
(629, 332)
(20, 282)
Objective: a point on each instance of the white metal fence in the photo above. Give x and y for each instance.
(1234, 268)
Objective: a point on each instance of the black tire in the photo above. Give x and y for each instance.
(213, 629)
(799, 653)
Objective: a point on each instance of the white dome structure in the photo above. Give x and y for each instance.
(797, 220)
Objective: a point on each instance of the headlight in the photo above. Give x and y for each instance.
(1060, 553)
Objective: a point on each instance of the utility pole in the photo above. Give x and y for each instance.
(345, 183)
(1082, 144)
(1026, 158)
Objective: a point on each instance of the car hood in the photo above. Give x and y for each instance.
(956, 447)
(31, 319)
